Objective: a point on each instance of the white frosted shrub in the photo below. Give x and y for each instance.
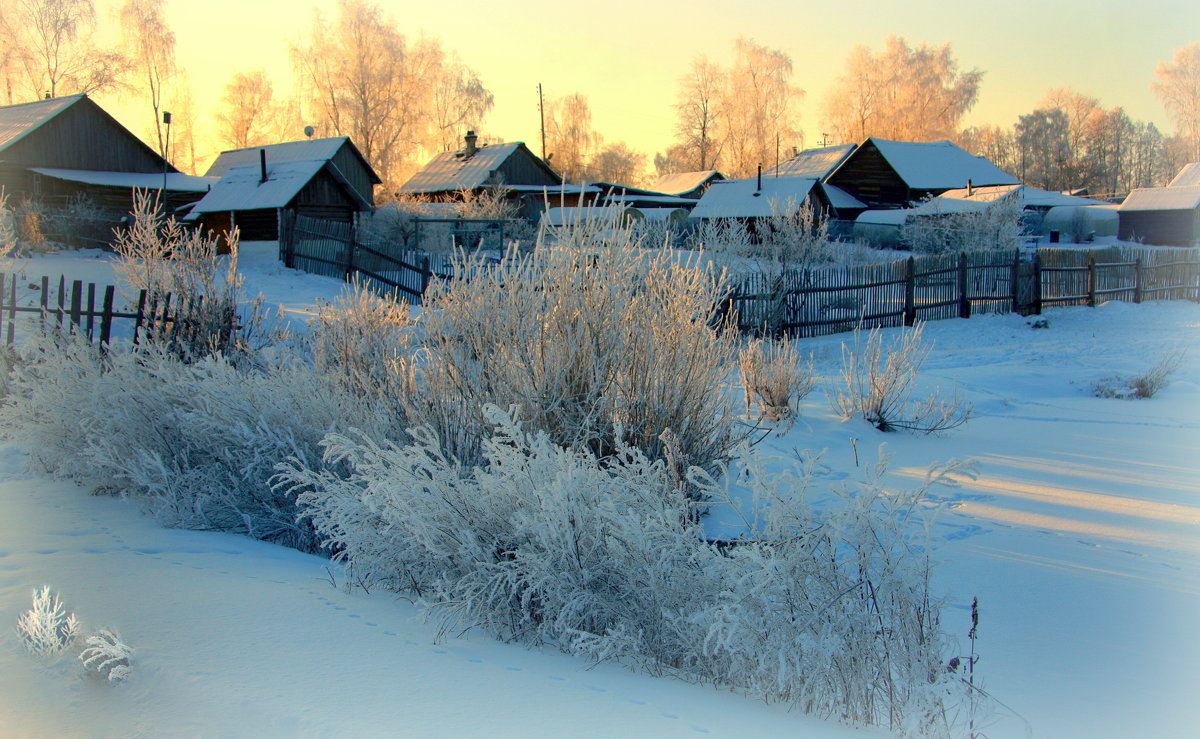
(824, 605)
(774, 379)
(196, 442)
(581, 336)
(46, 629)
(107, 657)
(878, 384)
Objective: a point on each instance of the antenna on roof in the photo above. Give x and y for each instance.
(309, 131)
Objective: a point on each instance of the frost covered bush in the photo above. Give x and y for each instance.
(586, 334)
(825, 604)
(878, 384)
(46, 629)
(1144, 385)
(106, 656)
(195, 441)
(182, 267)
(774, 379)
(995, 226)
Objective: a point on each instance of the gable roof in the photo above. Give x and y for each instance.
(744, 198)
(18, 121)
(1029, 197)
(240, 187)
(144, 180)
(935, 165)
(1189, 176)
(684, 182)
(289, 151)
(1162, 198)
(816, 163)
(840, 199)
(451, 171)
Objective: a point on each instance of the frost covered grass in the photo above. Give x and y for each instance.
(604, 558)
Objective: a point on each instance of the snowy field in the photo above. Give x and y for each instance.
(1080, 537)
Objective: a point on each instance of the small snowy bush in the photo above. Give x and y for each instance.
(825, 602)
(1144, 385)
(106, 656)
(996, 225)
(46, 629)
(877, 384)
(774, 379)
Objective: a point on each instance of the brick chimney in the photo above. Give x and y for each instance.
(470, 139)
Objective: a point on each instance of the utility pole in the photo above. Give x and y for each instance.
(542, 115)
(166, 119)
(824, 139)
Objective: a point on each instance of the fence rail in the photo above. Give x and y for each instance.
(89, 308)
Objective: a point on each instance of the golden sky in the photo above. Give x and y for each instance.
(628, 56)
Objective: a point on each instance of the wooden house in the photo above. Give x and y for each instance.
(473, 168)
(321, 178)
(58, 149)
(1169, 216)
(896, 174)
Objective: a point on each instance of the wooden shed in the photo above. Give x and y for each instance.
(56, 149)
(321, 178)
(896, 174)
(1169, 216)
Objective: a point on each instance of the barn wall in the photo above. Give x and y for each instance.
(1163, 227)
(355, 173)
(522, 169)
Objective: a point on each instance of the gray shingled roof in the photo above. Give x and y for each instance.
(815, 163)
(17, 121)
(452, 170)
(288, 151)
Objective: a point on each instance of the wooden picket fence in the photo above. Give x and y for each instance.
(88, 309)
(812, 302)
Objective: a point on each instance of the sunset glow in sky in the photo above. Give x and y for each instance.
(627, 57)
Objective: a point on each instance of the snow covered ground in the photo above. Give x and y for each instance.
(1080, 537)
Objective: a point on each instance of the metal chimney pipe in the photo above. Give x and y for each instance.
(262, 165)
(759, 177)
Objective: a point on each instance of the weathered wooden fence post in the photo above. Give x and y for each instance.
(1137, 279)
(1015, 281)
(1036, 297)
(1091, 287)
(426, 275)
(910, 292)
(964, 300)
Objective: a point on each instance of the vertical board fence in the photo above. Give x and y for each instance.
(332, 249)
(85, 308)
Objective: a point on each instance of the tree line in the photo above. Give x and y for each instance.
(403, 100)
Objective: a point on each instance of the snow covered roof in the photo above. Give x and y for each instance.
(288, 151)
(937, 165)
(1030, 197)
(744, 199)
(1189, 176)
(144, 180)
(681, 182)
(1162, 198)
(816, 163)
(17, 121)
(840, 199)
(589, 214)
(892, 217)
(662, 214)
(240, 189)
(455, 170)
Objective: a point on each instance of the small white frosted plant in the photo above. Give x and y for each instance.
(46, 629)
(106, 656)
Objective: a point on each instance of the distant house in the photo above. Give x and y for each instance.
(62, 148)
(895, 174)
(1169, 216)
(1038, 204)
(321, 178)
(687, 184)
(474, 167)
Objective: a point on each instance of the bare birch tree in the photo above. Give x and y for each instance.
(700, 97)
(902, 93)
(250, 115)
(1178, 86)
(51, 52)
(360, 77)
(150, 44)
(569, 136)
